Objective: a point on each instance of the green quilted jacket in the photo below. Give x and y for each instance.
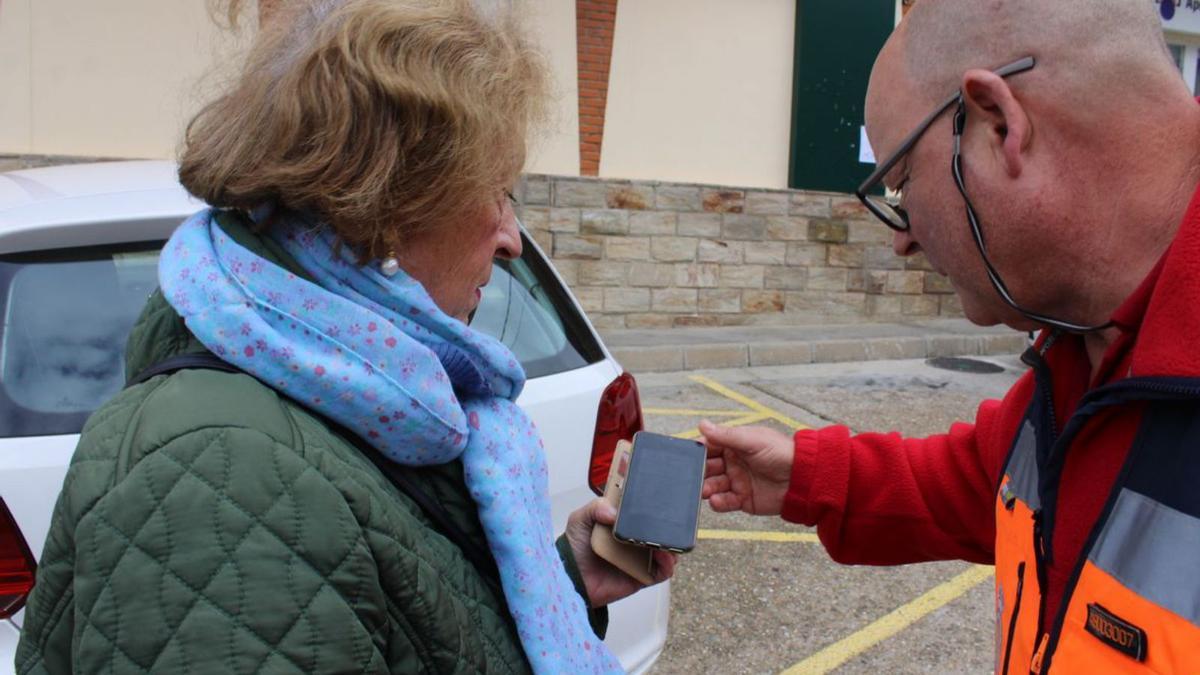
(207, 524)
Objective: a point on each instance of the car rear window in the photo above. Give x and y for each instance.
(67, 314)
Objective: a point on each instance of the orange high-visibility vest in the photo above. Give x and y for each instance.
(1133, 603)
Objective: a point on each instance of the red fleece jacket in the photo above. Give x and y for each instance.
(882, 499)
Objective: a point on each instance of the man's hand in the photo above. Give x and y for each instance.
(748, 468)
(604, 583)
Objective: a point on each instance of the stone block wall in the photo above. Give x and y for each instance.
(652, 254)
(641, 254)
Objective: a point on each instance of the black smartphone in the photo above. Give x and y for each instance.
(661, 504)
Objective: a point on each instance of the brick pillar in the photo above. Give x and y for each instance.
(594, 23)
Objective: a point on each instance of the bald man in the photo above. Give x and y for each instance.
(1044, 156)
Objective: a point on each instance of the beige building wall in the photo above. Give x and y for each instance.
(93, 79)
(556, 149)
(15, 76)
(700, 91)
(90, 79)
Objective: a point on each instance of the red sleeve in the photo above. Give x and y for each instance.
(881, 499)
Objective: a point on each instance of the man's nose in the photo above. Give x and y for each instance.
(903, 243)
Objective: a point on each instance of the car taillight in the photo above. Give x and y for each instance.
(619, 418)
(17, 566)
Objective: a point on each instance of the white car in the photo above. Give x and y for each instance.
(78, 258)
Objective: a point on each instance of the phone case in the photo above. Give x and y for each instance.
(636, 561)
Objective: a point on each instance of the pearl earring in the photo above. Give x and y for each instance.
(389, 266)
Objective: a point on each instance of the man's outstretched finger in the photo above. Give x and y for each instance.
(723, 502)
(715, 466)
(739, 439)
(714, 485)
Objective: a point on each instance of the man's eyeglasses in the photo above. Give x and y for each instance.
(886, 207)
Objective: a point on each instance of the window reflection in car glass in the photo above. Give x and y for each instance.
(65, 329)
(516, 311)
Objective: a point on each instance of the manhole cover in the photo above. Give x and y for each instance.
(962, 365)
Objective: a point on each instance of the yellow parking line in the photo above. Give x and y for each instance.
(847, 648)
(741, 421)
(748, 402)
(883, 628)
(684, 412)
(744, 535)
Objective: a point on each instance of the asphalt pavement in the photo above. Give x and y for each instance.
(759, 595)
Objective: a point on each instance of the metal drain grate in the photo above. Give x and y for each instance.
(964, 365)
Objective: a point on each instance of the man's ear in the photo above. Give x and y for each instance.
(988, 98)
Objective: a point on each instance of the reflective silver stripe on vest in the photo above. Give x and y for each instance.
(1022, 468)
(1152, 550)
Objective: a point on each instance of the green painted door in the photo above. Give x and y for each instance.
(836, 44)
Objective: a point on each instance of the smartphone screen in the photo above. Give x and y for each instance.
(662, 492)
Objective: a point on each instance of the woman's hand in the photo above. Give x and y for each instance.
(604, 583)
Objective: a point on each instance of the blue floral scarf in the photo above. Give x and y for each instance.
(377, 355)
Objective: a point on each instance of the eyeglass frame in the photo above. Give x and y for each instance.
(906, 146)
(958, 126)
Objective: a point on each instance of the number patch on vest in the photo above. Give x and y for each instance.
(1116, 633)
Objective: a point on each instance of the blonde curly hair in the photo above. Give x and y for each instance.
(378, 116)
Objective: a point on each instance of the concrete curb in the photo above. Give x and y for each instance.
(803, 350)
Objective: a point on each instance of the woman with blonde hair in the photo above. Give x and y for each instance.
(317, 465)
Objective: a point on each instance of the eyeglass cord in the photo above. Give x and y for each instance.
(960, 120)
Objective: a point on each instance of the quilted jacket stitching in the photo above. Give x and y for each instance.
(115, 648)
(417, 642)
(473, 604)
(476, 607)
(425, 534)
(469, 604)
(186, 471)
(196, 592)
(58, 611)
(66, 602)
(85, 614)
(307, 468)
(106, 413)
(299, 615)
(255, 525)
(88, 624)
(424, 655)
(228, 551)
(129, 434)
(257, 521)
(378, 635)
(470, 597)
(290, 570)
(296, 556)
(156, 507)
